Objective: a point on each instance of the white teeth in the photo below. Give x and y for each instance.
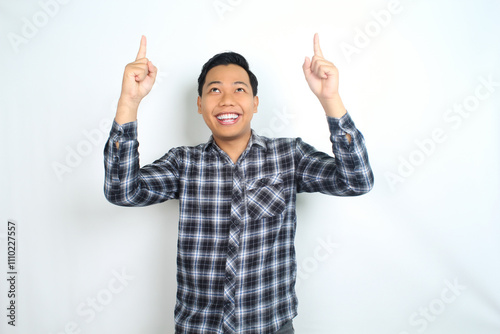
(227, 116)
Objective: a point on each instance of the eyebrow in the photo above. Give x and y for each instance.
(220, 82)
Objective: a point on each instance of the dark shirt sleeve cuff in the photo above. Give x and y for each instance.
(341, 126)
(125, 132)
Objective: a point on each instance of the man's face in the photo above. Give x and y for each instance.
(227, 103)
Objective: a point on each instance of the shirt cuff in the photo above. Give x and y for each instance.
(341, 126)
(123, 132)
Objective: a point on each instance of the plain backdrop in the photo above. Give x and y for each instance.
(421, 80)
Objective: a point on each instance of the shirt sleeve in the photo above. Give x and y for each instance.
(348, 173)
(127, 184)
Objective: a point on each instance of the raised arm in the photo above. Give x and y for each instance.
(348, 173)
(323, 78)
(126, 183)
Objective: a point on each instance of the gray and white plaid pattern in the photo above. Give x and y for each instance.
(236, 266)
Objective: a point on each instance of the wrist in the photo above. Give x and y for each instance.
(333, 106)
(126, 111)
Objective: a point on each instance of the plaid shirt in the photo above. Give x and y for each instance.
(236, 266)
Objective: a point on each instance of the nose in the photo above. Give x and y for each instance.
(226, 99)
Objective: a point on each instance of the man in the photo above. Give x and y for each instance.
(236, 267)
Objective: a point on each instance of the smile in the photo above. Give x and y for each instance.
(228, 119)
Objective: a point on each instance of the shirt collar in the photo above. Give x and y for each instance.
(255, 139)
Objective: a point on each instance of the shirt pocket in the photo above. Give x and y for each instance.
(265, 197)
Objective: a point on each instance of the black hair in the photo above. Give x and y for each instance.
(227, 58)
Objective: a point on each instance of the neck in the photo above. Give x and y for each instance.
(233, 147)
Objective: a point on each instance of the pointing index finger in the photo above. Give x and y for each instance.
(317, 49)
(142, 49)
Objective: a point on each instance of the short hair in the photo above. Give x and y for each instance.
(227, 58)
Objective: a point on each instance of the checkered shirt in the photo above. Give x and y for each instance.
(236, 265)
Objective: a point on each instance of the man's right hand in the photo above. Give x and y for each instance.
(138, 80)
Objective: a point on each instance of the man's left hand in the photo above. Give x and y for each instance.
(321, 75)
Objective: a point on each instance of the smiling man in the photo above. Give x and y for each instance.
(227, 101)
(236, 266)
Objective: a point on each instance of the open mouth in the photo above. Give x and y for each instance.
(228, 118)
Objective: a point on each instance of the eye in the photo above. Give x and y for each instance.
(240, 89)
(214, 89)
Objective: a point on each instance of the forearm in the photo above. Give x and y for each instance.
(121, 163)
(334, 107)
(351, 156)
(127, 184)
(126, 111)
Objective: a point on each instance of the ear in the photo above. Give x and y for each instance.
(255, 104)
(198, 102)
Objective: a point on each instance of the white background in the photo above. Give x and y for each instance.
(380, 263)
